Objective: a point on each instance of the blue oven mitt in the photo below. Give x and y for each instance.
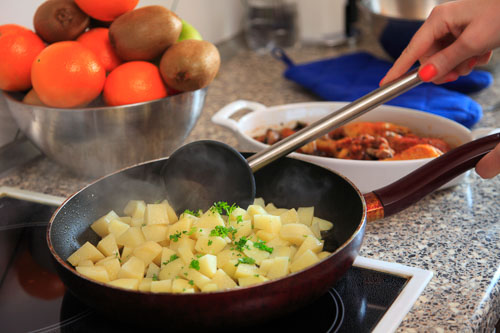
(349, 77)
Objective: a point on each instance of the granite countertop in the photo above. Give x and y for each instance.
(454, 232)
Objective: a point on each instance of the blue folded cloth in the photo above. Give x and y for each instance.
(349, 77)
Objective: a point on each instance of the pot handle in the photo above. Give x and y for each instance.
(406, 191)
(223, 116)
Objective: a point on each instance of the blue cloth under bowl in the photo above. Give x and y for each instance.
(349, 77)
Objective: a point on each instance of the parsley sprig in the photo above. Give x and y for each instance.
(222, 206)
(241, 244)
(172, 258)
(261, 245)
(195, 264)
(190, 212)
(245, 260)
(222, 231)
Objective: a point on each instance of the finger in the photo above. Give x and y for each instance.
(484, 58)
(489, 165)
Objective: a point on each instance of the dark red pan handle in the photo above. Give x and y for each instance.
(406, 191)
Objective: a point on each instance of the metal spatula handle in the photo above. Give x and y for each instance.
(334, 120)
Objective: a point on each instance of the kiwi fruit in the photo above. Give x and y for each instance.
(58, 20)
(144, 33)
(190, 64)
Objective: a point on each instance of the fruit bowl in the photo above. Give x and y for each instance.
(95, 141)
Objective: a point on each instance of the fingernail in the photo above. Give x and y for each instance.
(472, 63)
(381, 82)
(450, 77)
(427, 72)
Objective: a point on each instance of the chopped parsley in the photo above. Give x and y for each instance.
(172, 258)
(222, 206)
(210, 242)
(195, 264)
(190, 212)
(191, 282)
(222, 231)
(239, 219)
(245, 260)
(241, 244)
(155, 277)
(261, 245)
(175, 237)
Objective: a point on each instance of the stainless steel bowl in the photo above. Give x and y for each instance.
(95, 141)
(392, 23)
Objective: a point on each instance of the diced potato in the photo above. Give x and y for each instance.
(251, 280)
(259, 201)
(279, 268)
(172, 269)
(322, 255)
(226, 255)
(305, 215)
(223, 280)
(185, 254)
(153, 270)
(208, 265)
(310, 243)
(265, 236)
(161, 286)
(324, 225)
(283, 251)
(156, 214)
(127, 252)
(100, 226)
(256, 209)
(86, 262)
(210, 287)
(137, 222)
(290, 216)
(131, 284)
(182, 286)
(117, 227)
(132, 269)
(230, 267)
(172, 216)
(295, 233)
(307, 259)
(108, 246)
(147, 251)
(210, 244)
(97, 273)
(133, 237)
(155, 232)
(267, 222)
(86, 252)
(126, 219)
(167, 255)
(315, 229)
(278, 241)
(210, 220)
(245, 270)
(239, 214)
(255, 253)
(270, 208)
(183, 241)
(265, 266)
(135, 208)
(112, 266)
(145, 284)
(244, 228)
(198, 278)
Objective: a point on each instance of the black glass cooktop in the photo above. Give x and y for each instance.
(33, 299)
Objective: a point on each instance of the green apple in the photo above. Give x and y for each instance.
(189, 32)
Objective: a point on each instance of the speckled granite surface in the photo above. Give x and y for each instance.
(455, 233)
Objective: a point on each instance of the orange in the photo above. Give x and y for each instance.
(134, 82)
(97, 40)
(67, 74)
(18, 48)
(106, 10)
(5, 28)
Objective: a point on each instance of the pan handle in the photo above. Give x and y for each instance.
(406, 191)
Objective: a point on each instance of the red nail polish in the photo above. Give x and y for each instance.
(472, 62)
(427, 73)
(450, 77)
(381, 81)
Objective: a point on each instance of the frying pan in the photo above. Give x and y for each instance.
(287, 183)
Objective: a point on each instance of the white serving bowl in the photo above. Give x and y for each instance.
(366, 175)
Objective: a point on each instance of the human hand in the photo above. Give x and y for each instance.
(489, 165)
(456, 36)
